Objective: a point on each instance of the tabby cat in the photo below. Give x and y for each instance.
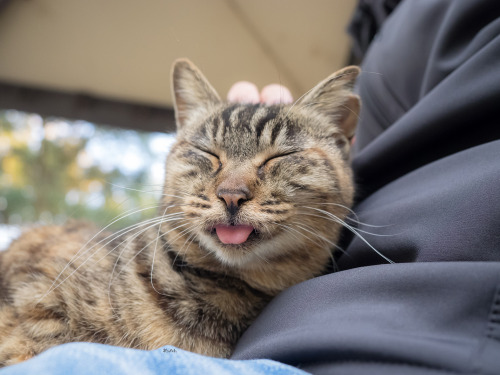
(253, 202)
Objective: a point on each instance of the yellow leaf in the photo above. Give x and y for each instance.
(14, 167)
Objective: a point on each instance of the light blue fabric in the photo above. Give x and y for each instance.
(88, 358)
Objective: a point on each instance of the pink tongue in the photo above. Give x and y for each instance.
(234, 234)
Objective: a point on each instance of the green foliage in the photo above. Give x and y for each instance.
(48, 173)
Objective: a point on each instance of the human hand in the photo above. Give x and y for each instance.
(247, 92)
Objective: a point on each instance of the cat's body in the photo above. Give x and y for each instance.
(253, 203)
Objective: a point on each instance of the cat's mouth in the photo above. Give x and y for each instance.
(234, 234)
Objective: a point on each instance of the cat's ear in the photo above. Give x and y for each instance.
(334, 98)
(193, 95)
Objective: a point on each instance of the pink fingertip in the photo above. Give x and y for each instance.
(275, 94)
(243, 92)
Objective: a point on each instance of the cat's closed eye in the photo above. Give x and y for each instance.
(278, 156)
(204, 150)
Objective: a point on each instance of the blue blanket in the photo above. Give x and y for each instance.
(87, 358)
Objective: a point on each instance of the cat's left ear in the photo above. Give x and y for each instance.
(193, 95)
(334, 98)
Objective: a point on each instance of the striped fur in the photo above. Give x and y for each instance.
(172, 281)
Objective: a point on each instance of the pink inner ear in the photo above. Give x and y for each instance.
(233, 234)
(349, 116)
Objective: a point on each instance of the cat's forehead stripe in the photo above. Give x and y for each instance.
(238, 117)
(215, 127)
(226, 116)
(245, 116)
(262, 121)
(276, 131)
(221, 128)
(236, 120)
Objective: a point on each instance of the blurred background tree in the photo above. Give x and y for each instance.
(53, 170)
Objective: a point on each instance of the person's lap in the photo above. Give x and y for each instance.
(426, 162)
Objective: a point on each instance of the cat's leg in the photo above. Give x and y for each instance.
(25, 335)
(14, 349)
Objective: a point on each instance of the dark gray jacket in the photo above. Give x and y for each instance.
(427, 165)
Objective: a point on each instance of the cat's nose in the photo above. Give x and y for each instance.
(233, 198)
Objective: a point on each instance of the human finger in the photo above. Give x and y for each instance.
(275, 94)
(243, 92)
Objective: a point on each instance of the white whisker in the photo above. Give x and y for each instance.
(109, 252)
(357, 229)
(78, 255)
(154, 253)
(149, 243)
(160, 220)
(315, 233)
(351, 229)
(143, 191)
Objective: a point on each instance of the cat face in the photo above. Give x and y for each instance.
(255, 182)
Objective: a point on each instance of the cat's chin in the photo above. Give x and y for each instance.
(252, 253)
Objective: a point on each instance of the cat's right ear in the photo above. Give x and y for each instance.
(193, 95)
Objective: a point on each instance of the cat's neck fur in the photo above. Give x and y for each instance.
(269, 276)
